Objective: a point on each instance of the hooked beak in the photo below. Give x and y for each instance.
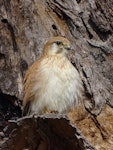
(68, 48)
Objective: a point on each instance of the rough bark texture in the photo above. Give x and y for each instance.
(24, 28)
(48, 132)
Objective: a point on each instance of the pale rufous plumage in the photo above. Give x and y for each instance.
(52, 83)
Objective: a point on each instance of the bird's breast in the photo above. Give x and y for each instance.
(56, 85)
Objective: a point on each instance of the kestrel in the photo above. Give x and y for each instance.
(52, 83)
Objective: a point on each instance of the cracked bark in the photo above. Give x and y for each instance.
(53, 132)
(25, 26)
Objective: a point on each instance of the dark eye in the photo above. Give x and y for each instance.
(58, 42)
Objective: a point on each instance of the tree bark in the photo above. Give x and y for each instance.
(53, 132)
(24, 28)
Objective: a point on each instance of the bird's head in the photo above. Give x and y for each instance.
(57, 45)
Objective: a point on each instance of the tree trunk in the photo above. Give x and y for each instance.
(24, 28)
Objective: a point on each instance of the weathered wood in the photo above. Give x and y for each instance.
(24, 28)
(53, 132)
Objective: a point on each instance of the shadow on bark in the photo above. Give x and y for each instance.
(47, 132)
